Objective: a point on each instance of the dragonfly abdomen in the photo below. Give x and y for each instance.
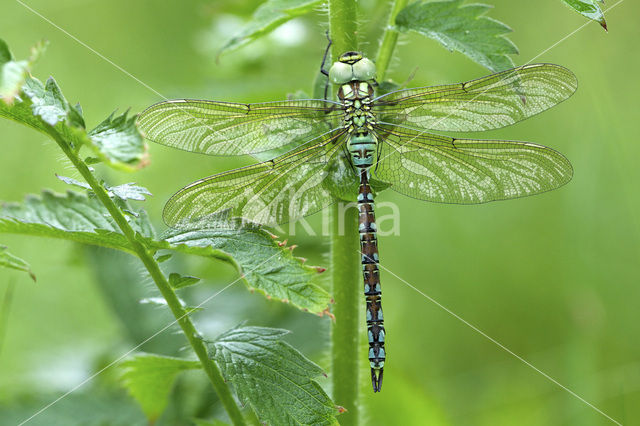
(363, 152)
(371, 275)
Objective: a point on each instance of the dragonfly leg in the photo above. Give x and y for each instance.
(324, 58)
(324, 61)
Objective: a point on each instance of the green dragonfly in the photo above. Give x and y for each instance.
(356, 146)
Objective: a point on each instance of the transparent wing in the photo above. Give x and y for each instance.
(269, 193)
(221, 128)
(490, 102)
(464, 171)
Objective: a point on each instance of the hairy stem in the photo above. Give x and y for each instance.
(182, 318)
(389, 40)
(347, 292)
(343, 28)
(345, 251)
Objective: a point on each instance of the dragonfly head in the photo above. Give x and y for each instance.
(352, 66)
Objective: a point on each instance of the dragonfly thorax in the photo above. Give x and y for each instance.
(356, 100)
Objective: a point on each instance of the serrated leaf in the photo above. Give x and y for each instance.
(47, 101)
(117, 141)
(462, 28)
(14, 73)
(267, 17)
(129, 191)
(179, 281)
(7, 260)
(73, 216)
(265, 265)
(590, 9)
(73, 182)
(149, 379)
(273, 377)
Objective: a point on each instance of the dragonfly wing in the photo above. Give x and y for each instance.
(269, 193)
(465, 171)
(221, 128)
(490, 102)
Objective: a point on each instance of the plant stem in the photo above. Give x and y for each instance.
(343, 27)
(182, 318)
(347, 292)
(389, 40)
(345, 255)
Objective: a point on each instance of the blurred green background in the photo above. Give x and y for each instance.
(555, 278)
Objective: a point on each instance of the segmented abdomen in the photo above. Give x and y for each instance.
(371, 275)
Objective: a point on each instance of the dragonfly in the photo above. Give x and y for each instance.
(352, 148)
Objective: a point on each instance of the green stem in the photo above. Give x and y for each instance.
(343, 27)
(389, 40)
(210, 368)
(347, 292)
(345, 251)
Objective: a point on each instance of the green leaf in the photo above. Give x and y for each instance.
(270, 15)
(73, 182)
(14, 73)
(265, 264)
(273, 377)
(7, 260)
(164, 257)
(178, 281)
(129, 191)
(49, 103)
(5, 53)
(461, 28)
(117, 142)
(73, 216)
(590, 9)
(149, 379)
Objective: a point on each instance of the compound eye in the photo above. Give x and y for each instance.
(364, 70)
(340, 73)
